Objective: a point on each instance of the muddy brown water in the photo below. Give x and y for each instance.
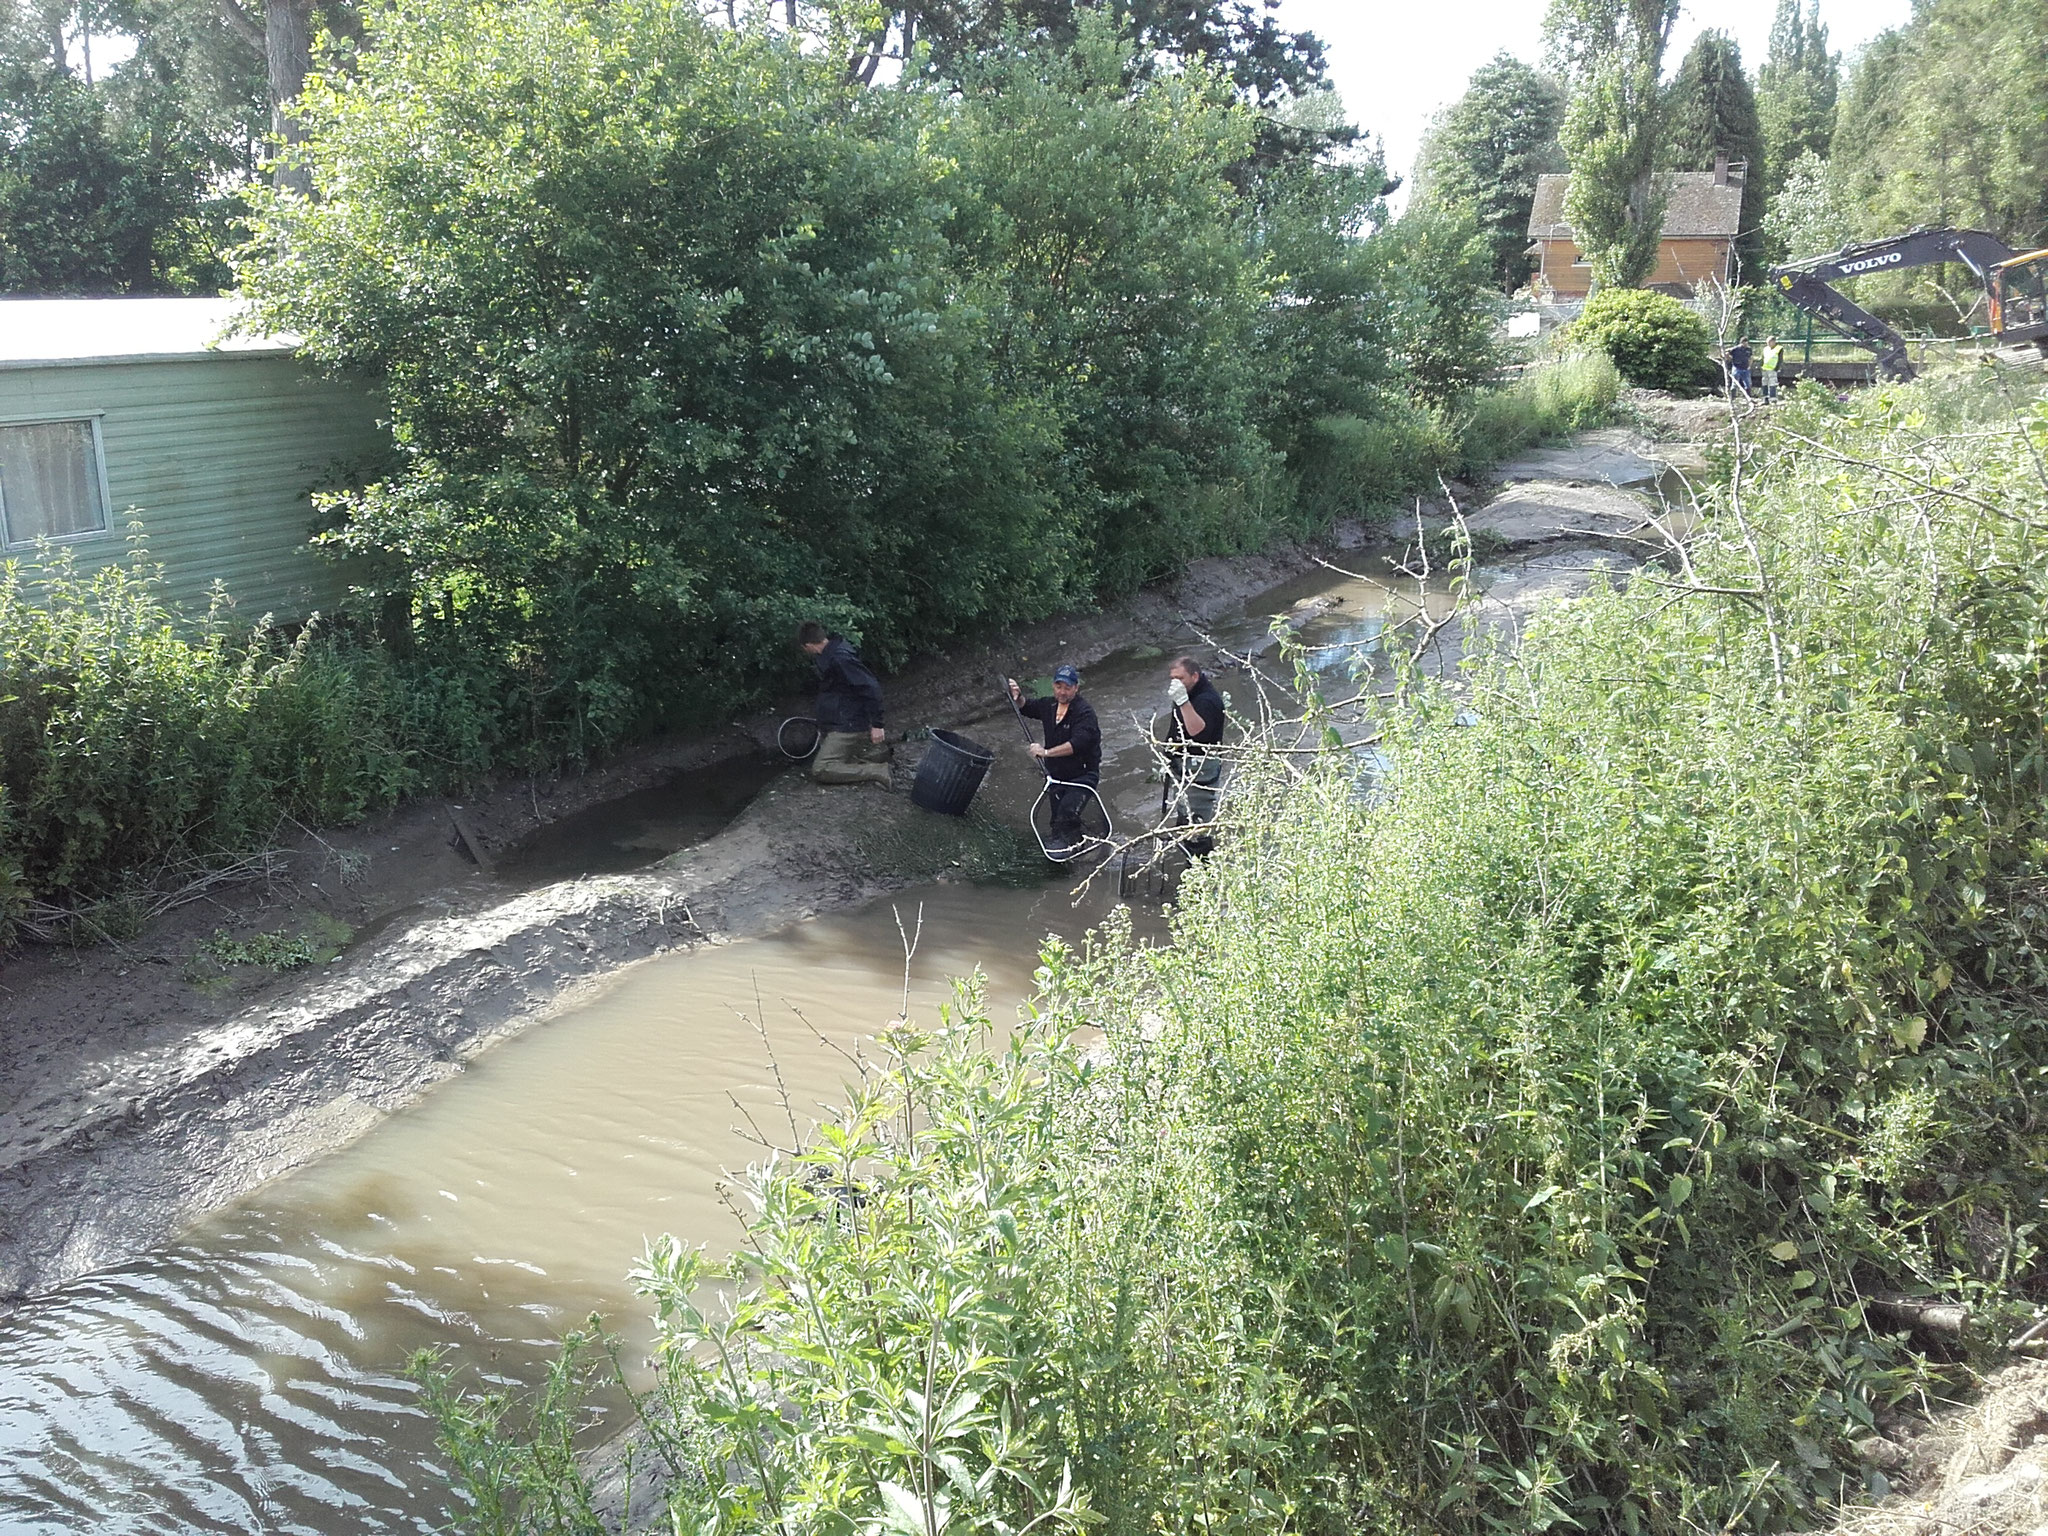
(634, 830)
(248, 1378)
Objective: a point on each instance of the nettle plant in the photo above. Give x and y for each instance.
(1571, 1125)
(890, 1361)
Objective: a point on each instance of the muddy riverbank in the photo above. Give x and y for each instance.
(143, 1087)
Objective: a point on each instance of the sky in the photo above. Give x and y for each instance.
(1397, 61)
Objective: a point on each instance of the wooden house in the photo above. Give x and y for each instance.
(1701, 220)
(118, 414)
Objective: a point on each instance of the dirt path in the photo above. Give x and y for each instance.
(136, 1097)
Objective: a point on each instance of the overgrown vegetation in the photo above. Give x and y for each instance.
(1528, 1148)
(1570, 393)
(137, 754)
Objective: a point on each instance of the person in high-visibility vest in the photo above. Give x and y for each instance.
(1773, 355)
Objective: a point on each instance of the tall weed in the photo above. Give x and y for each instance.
(1544, 1144)
(1549, 403)
(134, 749)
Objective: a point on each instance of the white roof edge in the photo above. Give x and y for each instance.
(62, 332)
(212, 355)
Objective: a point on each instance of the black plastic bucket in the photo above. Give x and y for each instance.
(951, 772)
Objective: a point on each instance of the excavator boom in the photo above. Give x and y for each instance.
(1809, 283)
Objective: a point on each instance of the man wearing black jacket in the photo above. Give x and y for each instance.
(850, 734)
(1072, 754)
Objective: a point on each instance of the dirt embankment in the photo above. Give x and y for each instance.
(143, 1086)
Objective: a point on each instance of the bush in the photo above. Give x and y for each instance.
(1656, 342)
(1521, 1150)
(134, 753)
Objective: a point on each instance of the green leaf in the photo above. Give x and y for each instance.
(902, 1510)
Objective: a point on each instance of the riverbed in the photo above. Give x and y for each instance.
(247, 1376)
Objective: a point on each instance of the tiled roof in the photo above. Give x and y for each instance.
(1698, 208)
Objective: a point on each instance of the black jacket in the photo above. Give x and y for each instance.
(849, 696)
(1209, 705)
(1080, 728)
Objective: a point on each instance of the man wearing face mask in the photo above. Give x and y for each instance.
(1071, 755)
(1192, 724)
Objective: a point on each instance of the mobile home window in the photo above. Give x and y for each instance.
(50, 481)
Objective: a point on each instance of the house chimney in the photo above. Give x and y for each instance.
(1720, 167)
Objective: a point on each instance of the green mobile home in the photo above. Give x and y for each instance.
(119, 412)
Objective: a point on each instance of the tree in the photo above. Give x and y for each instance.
(1486, 152)
(1711, 113)
(1237, 38)
(1448, 313)
(281, 34)
(1612, 51)
(1796, 90)
(103, 186)
(1102, 213)
(1942, 122)
(687, 336)
(1806, 217)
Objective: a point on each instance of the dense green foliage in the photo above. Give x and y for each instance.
(1234, 37)
(1521, 1149)
(1941, 122)
(135, 754)
(1655, 340)
(103, 188)
(1712, 112)
(1482, 158)
(1612, 52)
(1796, 88)
(1806, 217)
(771, 345)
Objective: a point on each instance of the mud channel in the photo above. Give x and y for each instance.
(214, 1314)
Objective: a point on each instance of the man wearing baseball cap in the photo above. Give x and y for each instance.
(1072, 754)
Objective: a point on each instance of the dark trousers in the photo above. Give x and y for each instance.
(1069, 803)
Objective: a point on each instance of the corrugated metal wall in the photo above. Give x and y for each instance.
(216, 457)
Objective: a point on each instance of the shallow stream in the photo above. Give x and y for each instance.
(248, 1377)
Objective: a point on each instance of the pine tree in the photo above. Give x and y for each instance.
(1712, 111)
(1795, 92)
(1484, 156)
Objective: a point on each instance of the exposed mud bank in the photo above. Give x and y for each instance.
(135, 1099)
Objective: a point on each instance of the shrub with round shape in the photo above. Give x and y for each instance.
(1654, 339)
